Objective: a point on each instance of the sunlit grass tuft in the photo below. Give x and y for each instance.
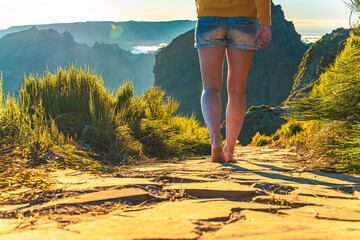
(259, 140)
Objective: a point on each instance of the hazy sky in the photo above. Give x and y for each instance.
(25, 12)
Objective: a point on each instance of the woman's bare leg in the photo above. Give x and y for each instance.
(211, 63)
(239, 62)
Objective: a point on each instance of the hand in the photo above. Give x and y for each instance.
(264, 36)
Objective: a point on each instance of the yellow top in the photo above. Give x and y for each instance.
(235, 8)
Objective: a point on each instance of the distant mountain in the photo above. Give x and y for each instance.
(125, 34)
(317, 58)
(271, 74)
(33, 50)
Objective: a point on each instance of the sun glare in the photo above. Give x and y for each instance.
(147, 49)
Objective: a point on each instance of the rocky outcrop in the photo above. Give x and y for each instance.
(317, 58)
(271, 74)
(33, 51)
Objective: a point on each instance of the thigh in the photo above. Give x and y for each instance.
(239, 62)
(211, 64)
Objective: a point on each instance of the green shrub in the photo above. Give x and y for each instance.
(72, 123)
(124, 97)
(72, 108)
(126, 146)
(156, 106)
(187, 137)
(66, 91)
(11, 122)
(333, 103)
(39, 140)
(288, 130)
(259, 140)
(336, 94)
(347, 151)
(177, 136)
(153, 134)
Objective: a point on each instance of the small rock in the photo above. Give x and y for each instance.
(357, 192)
(51, 156)
(273, 188)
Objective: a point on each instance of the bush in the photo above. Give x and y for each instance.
(336, 94)
(178, 136)
(187, 137)
(288, 130)
(71, 109)
(259, 140)
(153, 134)
(333, 103)
(347, 151)
(72, 124)
(11, 122)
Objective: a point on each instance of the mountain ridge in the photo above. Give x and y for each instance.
(33, 51)
(127, 34)
(317, 59)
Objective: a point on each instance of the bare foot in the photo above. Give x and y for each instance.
(229, 155)
(232, 160)
(217, 154)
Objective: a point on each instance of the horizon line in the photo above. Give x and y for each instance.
(91, 21)
(298, 22)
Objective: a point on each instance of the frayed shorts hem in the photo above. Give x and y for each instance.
(243, 47)
(209, 45)
(228, 46)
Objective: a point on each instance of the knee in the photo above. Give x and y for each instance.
(236, 91)
(211, 89)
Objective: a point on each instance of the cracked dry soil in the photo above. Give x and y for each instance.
(263, 196)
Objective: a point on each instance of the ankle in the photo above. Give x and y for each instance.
(216, 143)
(229, 149)
(229, 146)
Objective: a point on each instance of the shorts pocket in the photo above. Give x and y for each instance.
(208, 26)
(243, 26)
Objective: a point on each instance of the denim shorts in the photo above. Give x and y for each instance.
(233, 32)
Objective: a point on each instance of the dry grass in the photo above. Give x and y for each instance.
(19, 183)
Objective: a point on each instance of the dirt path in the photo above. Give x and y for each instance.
(263, 196)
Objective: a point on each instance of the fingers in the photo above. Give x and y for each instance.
(263, 44)
(264, 36)
(259, 37)
(264, 40)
